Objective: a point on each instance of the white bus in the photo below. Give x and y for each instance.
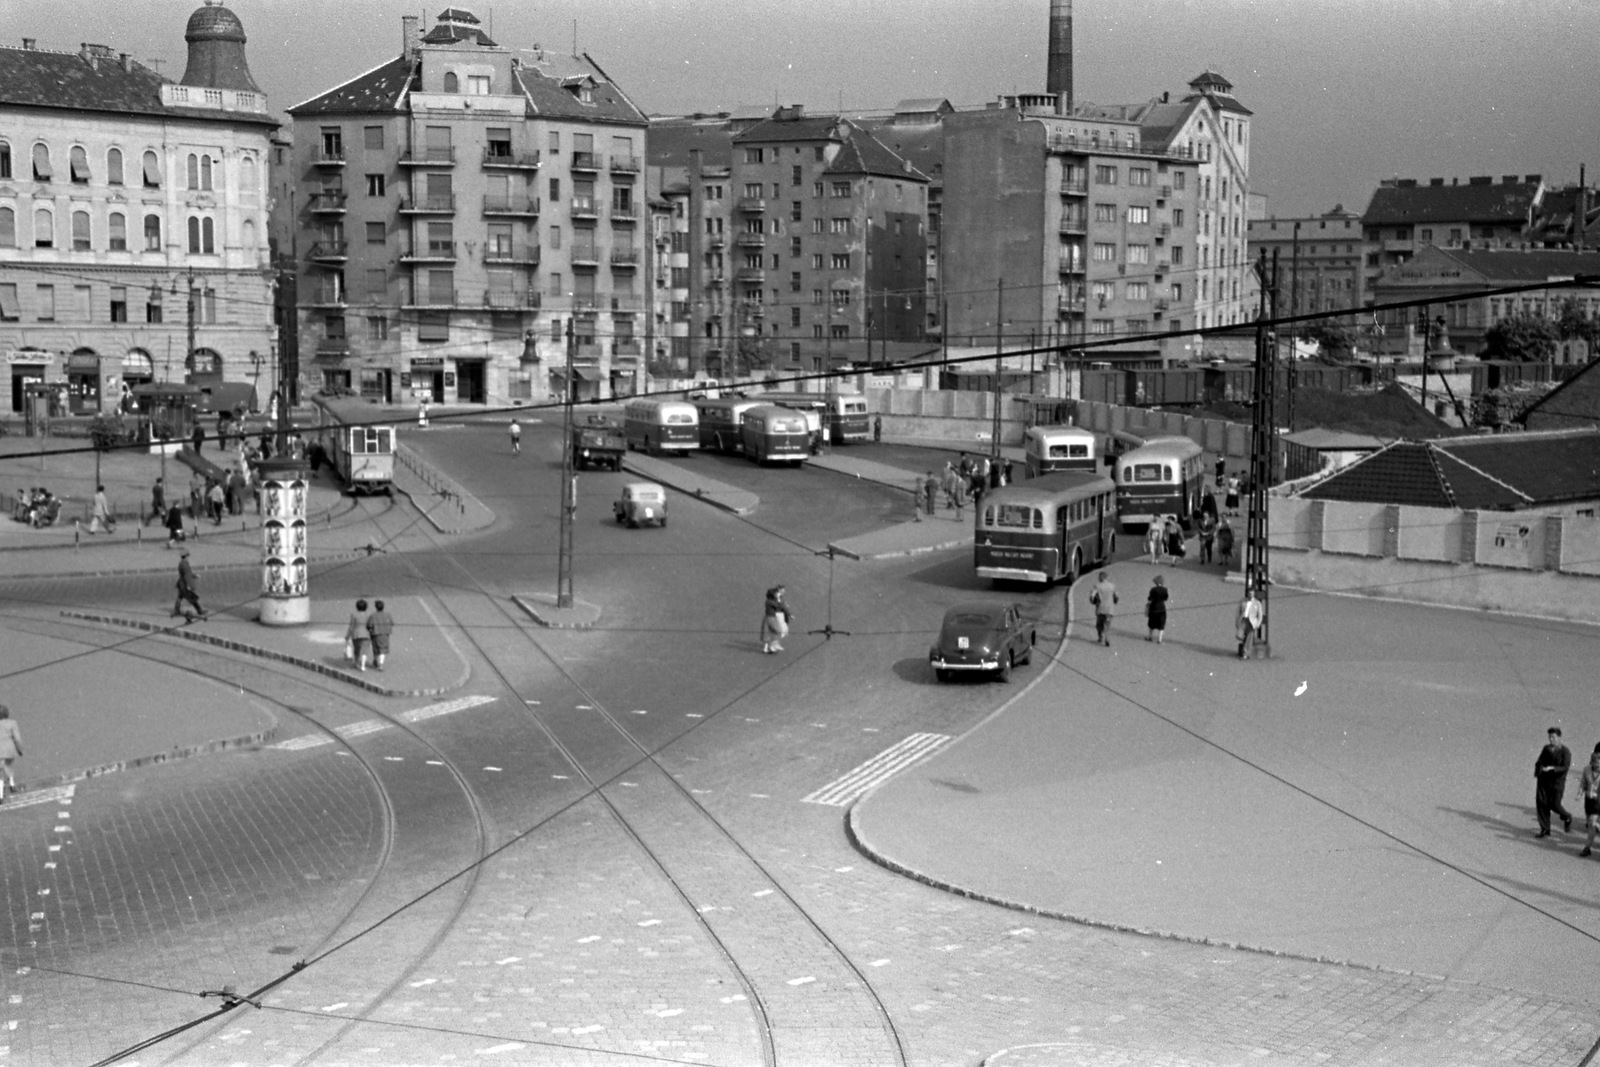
(657, 424)
(1060, 448)
(1161, 477)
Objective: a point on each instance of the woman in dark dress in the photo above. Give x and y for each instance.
(1155, 611)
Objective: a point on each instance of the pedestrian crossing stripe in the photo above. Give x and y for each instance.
(31, 797)
(850, 787)
(372, 726)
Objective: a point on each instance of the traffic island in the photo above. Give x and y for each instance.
(543, 609)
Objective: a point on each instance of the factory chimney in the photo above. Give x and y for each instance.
(1058, 79)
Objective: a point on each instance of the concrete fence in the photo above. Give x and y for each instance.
(1531, 563)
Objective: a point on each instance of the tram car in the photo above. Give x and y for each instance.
(362, 457)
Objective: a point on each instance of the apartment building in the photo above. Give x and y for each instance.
(1321, 259)
(1403, 217)
(133, 216)
(467, 214)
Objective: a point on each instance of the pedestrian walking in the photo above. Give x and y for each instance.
(1225, 542)
(775, 620)
(197, 495)
(236, 486)
(1208, 505)
(516, 437)
(1176, 543)
(175, 533)
(1231, 501)
(964, 468)
(950, 484)
(1550, 771)
(1006, 473)
(215, 501)
(1153, 539)
(379, 627)
(188, 590)
(1208, 535)
(995, 473)
(356, 637)
(877, 429)
(1247, 624)
(1222, 469)
(197, 438)
(102, 516)
(1589, 786)
(1155, 611)
(930, 491)
(10, 750)
(1104, 599)
(158, 503)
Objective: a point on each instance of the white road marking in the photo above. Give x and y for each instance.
(651, 922)
(372, 726)
(509, 1046)
(801, 981)
(762, 893)
(422, 982)
(59, 794)
(877, 963)
(336, 1007)
(586, 940)
(667, 1013)
(848, 788)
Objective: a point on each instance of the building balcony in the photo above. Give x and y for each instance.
(329, 251)
(626, 303)
(750, 240)
(1071, 303)
(512, 299)
(717, 241)
(1068, 265)
(1164, 230)
(584, 257)
(751, 274)
(625, 164)
(625, 258)
(585, 302)
(327, 203)
(328, 157)
(627, 349)
(429, 157)
(586, 161)
(428, 205)
(583, 208)
(750, 204)
(1074, 225)
(520, 206)
(511, 257)
(435, 252)
(432, 298)
(1075, 187)
(1164, 192)
(624, 214)
(1162, 304)
(493, 160)
(716, 281)
(1163, 267)
(327, 298)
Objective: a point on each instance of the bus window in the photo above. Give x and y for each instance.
(1019, 516)
(1069, 451)
(1151, 472)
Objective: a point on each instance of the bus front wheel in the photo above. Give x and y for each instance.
(1074, 567)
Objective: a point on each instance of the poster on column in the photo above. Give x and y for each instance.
(283, 537)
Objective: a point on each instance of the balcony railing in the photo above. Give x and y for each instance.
(527, 256)
(328, 157)
(427, 205)
(1164, 192)
(516, 160)
(1075, 186)
(429, 156)
(433, 298)
(1069, 265)
(624, 214)
(751, 274)
(625, 164)
(326, 250)
(750, 240)
(434, 252)
(511, 205)
(583, 208)
(585, 161)
(1074, 224)
(1162, 303)
(625, 257)
(512, 299)
(626, 303)
(327, 203)
(328, 298)
(333, 347)
(585, 257)
(717, 240)
(754, 204)
(1072, 303)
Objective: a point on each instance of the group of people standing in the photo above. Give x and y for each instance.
(368, 635)
(1550, 770)
(1249, 616)
(970, 476)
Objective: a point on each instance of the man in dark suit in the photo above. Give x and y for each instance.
(1550, 774)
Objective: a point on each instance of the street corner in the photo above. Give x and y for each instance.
(544, 609)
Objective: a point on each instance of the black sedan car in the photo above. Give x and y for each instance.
(982, 638)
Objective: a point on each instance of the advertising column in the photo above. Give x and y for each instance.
(285, 599)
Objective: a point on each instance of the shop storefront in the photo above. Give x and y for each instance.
(28, 366)
(83, 382)
(427, 379)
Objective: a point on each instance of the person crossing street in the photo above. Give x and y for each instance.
(516, 437)
(188, 590)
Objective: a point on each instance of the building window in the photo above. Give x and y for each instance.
(839, 331)
(8, 228)
(192, 175)
(1136, 326)
(477, 85)
(1139, 216)
(1177, 255)
(152, 306)
(1138, 291)
(1139, 176)
(841, 298)
(1105, 213)
(205, 173)
(816, 189)
(1101, 327)
(377, 233)
(114, 167)
(499, 138)
(119, 303)
(796, 177)
(377, 328)
(5, 160)
(372, 138)
(752, 155)
(451, 83)
(433, 326)
(1177, 292)
(152, 233)
(45, 302)
(152, 171)
(838, 225)
(1105, 252)
(44, 229)
(80, 231)
(841, 190)
(1177, 218)
(816, 261)
(41, 163)
(555, 190)
(194, 235)
(840, 261)
(375, 185)
(1105, 174)
(79, 165)
(1138, 253)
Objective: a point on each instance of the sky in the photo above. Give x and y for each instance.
(1345, 92)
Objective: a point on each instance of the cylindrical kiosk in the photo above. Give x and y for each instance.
(285, 597)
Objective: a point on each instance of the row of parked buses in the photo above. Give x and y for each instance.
(767, 428)
(1063, 519)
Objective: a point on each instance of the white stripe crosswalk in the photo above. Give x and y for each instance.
(372, 726)
(849, 787)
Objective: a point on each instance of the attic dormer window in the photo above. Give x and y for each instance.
(586, 93)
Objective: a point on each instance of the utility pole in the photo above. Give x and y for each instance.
(569, 485)
(1294, 309)
(188, 360)
(999, 345)
(1422, 327)
(1263, 435)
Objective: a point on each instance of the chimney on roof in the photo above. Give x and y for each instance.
(1534, 179)
(1058, 70)
(1508, 179)
(30, 43)
(1481, 179)
(410, 35)
(1166, 97)
(127, 61)
(1435, 181)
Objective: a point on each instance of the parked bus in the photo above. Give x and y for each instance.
(656, 424)
(362, 457)
(1060, 448)
(844, 415)
(1052, 527)
(720, 429)
(1161, 477)
(773, 434)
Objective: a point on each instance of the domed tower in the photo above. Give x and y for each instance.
(216, 51)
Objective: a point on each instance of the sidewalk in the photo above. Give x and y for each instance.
(1364, 797)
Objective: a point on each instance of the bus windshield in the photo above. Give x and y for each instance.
(1069, 451)
(1019, 516)
(1151, 472)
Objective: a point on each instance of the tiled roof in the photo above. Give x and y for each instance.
(1418, 473)
(1513, 266)
(1502, 202)
(1575, 403)
(1161, 123)
(545, 76)
(863, 153)
(671, 141)
(1327, 440)
(1557, 212)
(1549, 468)
(923, 145)
(378, 90)
(803, 128)
(31, 77)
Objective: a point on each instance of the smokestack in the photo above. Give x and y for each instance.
(410, 35)
(1058, 78)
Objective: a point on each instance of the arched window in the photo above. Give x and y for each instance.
(5, 159)
(114, 167)
(247, 176)
(193, 172)
(205, 173)
(119, 231)
(79, 164)
(80, 231)
(194, 234)
(44, 229)
(208, 236)
(152, 233)
(249, 235)
(450, 83)
(8, 228)
(152, 171)
(41, 163)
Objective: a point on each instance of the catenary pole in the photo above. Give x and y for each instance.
(569, 485)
